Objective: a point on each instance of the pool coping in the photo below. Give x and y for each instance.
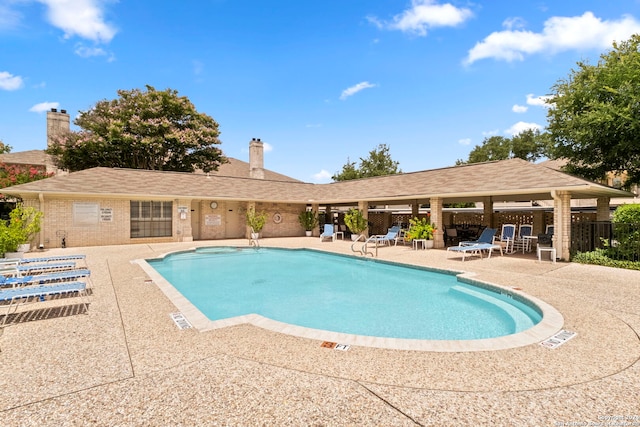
(552, 320)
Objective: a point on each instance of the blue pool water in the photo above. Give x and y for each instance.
(341, 294)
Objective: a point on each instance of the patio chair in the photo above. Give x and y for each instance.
(549, 229)
(523, 240)
(14, 296)
(451, 236)
(327, 233)
(507, 238)
(485, 237)
(545, 244)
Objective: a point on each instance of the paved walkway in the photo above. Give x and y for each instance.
(126, 363)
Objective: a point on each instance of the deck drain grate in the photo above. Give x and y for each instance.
(558, 339)
(180, 320)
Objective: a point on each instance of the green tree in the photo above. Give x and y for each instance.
(4, 148)
(378, 163)
(595, 119)
(529, 145)
(149, 129)
(492, 148)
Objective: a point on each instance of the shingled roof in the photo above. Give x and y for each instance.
(29, 157)
(234, 167)
(505, 180)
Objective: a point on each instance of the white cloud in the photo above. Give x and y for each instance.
(355, 89)
(322, 176)
(464, 141)
(82, 18)
(538, 101)
(10, 82)
(522, 126)
(267, 147)
(87, 52)
(9, 18)
(44, 106)
(424, 15)
(559, 34)
(512, 23)
(519, 108)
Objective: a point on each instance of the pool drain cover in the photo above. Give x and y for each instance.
(558, 339)
(180, 320)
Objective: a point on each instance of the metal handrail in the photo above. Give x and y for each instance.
(354, 244)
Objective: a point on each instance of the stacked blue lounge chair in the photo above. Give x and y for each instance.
(35, 279)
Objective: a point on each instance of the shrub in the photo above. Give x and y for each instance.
(626, 231)
(355, 221)
(23, 224)
(308, 220)
(599, 257)
(420, 228)
(256, 220)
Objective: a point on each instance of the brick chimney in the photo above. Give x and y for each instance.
(256, 159)
(57, 123)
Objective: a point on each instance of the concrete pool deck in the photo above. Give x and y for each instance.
(126, 362)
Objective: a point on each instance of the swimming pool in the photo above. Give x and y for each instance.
(345, 295)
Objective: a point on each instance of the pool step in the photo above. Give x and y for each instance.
(520, 319)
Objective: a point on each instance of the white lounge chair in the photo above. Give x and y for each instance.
(475, 249)
(327, 233)
(386, 239)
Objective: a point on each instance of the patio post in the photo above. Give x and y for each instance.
(315, 208)
(363, 205)
(562, 223)
(487, 203)
(603, 212)
(436, 219)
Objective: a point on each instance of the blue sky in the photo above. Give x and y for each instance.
(318, 82)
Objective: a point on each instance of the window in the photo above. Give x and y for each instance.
(151, 219)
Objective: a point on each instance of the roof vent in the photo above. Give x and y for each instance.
(54, 110)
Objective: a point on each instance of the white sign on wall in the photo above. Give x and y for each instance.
(85, 214)
(213, 220)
